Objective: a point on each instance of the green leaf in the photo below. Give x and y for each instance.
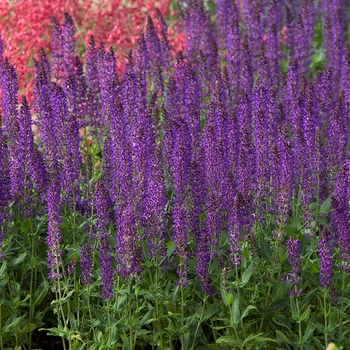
(145, 318)
(171, 246)
(308, 297)
(309, 331)
(11, 324)
(325, 206)
(40, 293)
(229, 341)
(26, 226)
(28, 327)
(19, 259)
(280, 335)
(3, 268)
(246, 311)
(209, 313)
(256, 339)
(278, 305)
(235, 315)
(186, 340)
(305, 315)
(293, 306)
(226, 297)
(265, 248)
(246, 275)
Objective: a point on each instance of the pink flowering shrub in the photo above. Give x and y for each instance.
(26, 25)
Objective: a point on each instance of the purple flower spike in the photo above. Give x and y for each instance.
(1, 50)
(86, 265)
(5, 186)
(325, 256)
(180, 238)
(236, 225)
(293, 254)
(69, 45)
(54, 237)
(340, 215)
(57, 51)
(106, 269)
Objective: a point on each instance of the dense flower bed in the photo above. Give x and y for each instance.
(197, 201)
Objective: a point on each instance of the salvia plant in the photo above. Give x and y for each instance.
(192, 202)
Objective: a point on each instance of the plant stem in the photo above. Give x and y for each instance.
(239, 299)
(199, 323)
(299, 324)
(32, 307)
(182, 318)
(130, 316)
(1, 341)
(158, 313)
(325, 293)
